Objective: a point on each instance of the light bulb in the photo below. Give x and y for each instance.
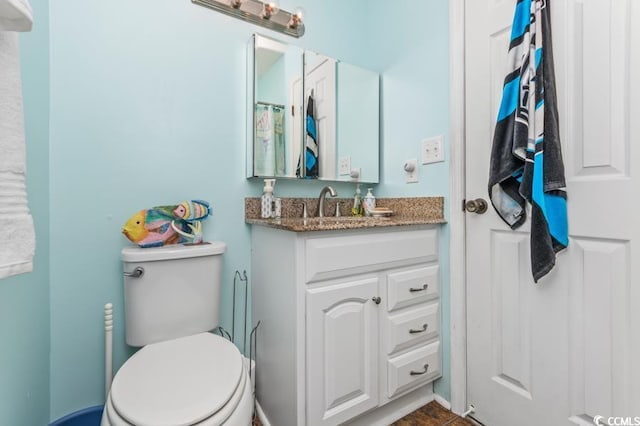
(270, 8)
(296, 17)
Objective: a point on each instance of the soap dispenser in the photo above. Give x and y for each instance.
(357, 203)
(267, 199)
(369, 202)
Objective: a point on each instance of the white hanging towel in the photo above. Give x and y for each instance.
(17, 236)
(15, 15)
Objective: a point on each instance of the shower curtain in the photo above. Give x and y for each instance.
(269, 148)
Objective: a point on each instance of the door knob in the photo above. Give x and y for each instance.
(478, 206)
(376, 300)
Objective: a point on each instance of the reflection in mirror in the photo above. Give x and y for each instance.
(358, 123)
(324, 126)
(320, 123)
(278, 108)
(344, 120)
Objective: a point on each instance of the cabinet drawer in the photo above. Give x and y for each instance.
(412, 327)
(413, 368)
(330, 257)
(411, 286)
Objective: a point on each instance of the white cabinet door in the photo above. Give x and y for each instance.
(342, 350)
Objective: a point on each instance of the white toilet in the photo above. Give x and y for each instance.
(183, 375)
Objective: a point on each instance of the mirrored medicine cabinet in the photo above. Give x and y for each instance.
(310, 116)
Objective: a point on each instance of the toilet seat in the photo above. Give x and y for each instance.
(195, 380)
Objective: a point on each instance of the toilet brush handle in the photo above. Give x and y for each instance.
(108, 348)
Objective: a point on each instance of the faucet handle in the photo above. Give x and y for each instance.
(338, 208)
(304, 209)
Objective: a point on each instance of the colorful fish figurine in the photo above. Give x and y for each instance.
(151, 228)
(163, 225)
(194, 210)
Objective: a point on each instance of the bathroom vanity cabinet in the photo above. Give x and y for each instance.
(350, 322)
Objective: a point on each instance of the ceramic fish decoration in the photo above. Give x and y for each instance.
(164, 225)
(188, 210)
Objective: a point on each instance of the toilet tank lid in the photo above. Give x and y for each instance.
(175, 251)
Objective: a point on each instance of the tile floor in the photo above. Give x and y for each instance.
(432, 414)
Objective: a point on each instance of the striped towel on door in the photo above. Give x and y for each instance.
(526, 160)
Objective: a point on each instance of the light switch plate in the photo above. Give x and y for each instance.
(345, 166)
(433, 150)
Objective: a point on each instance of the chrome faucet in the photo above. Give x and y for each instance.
(323, 194)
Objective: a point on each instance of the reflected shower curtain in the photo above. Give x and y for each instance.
(269, 148)
(280, 145)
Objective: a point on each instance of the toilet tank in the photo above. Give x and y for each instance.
(177, 294)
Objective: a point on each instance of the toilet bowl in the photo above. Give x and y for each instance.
(195, 380)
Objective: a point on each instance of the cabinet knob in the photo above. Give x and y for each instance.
(376, 299)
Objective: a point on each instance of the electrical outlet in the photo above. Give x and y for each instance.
(411, 169)
(345, 166)
(433, 150)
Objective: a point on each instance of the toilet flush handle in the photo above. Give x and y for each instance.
(137, 273)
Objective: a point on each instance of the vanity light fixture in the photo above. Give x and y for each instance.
(264, 13)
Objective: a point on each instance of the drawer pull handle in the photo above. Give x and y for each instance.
(424, 287)
(422, 330)
(420, 373)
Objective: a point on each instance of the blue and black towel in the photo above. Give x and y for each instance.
(311, 153)
(311, 170)
(526, 160)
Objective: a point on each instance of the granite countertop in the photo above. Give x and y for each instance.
(408, 211)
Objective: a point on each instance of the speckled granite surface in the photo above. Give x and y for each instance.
(407, 211)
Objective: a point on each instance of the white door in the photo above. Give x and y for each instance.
(566, 349)
(342, 351)
(321, 79)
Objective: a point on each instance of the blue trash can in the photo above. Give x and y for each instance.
(86, 417)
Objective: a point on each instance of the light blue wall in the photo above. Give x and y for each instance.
(409, 47)
(147, 108)
(24, 299)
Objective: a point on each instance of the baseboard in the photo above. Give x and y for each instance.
(440, 400)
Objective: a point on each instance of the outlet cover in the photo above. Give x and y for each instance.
(433, 150)
(345, 166)
(411, 170)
